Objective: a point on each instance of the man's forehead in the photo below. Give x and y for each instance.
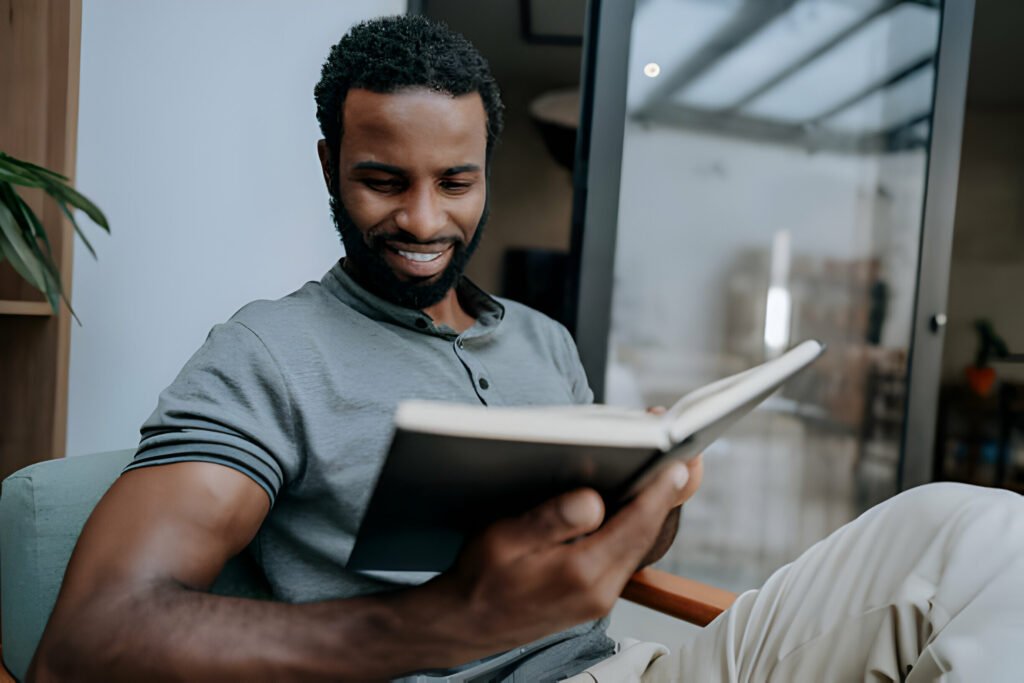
(413, 123)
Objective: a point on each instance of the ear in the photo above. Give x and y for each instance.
(325, 164)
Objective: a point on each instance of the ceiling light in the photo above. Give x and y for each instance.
(669, 33)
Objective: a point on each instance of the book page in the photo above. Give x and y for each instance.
(710, 404)
(585, 424)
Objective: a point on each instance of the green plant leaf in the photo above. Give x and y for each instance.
(19, 172)
(9, 161)
(32, 229)
(71, 217)
(71, 196)
(30, 225)
(14, 178)
(54, 288)
(18, 251)
(28, 217)
(21, 231)
(45, 258)
(15, 168)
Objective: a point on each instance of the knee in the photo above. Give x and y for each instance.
(951, 494)
(940, 502)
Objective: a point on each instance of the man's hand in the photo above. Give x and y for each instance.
(695, 467)
(670, 527)
(523, 579)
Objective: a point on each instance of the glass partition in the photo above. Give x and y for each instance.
(772, 188)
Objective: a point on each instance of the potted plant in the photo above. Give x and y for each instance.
(23, 240)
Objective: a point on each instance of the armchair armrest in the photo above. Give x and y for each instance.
(685, 599)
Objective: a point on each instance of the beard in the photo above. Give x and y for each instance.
(364, 259)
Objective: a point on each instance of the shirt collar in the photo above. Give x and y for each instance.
(478, 303)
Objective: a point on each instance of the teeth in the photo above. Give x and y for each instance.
(417, 256)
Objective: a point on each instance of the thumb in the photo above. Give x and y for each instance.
(560, 519)
(637, 524)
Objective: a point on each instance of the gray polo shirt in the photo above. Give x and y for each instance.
(298, 394)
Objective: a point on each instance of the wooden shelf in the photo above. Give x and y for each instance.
(39, 67)
(8, 307)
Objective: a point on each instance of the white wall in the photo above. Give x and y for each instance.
(197, 136)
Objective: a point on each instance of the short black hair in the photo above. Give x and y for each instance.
(389, 54)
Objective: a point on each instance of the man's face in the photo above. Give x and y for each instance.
(412, 189)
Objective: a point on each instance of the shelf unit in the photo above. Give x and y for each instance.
(14, 307)
(39, 71)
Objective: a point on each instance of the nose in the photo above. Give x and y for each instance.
(421, 214)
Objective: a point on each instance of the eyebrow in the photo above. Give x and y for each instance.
(395, 170)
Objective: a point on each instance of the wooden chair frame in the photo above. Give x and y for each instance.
(682, 598)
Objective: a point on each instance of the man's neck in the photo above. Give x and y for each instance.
(449, 311)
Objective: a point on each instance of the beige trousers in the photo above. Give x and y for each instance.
(928, 586)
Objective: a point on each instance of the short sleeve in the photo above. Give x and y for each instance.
(229, 405)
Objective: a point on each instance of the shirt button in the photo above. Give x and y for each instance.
(421, 323)
(460, 344)
(484, 383)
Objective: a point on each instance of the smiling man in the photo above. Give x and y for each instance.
(269, 440)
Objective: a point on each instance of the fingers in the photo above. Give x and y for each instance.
(560, 519)
(615, 549)
(626, 538)
(579, 512)
(696, 469)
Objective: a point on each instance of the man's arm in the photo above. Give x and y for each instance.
(133, 604)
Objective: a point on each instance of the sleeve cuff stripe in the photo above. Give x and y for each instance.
(238, 460)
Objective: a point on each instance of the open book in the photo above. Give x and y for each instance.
(453, 468)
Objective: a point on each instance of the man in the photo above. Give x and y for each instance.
(271, 434)
(270, 437)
